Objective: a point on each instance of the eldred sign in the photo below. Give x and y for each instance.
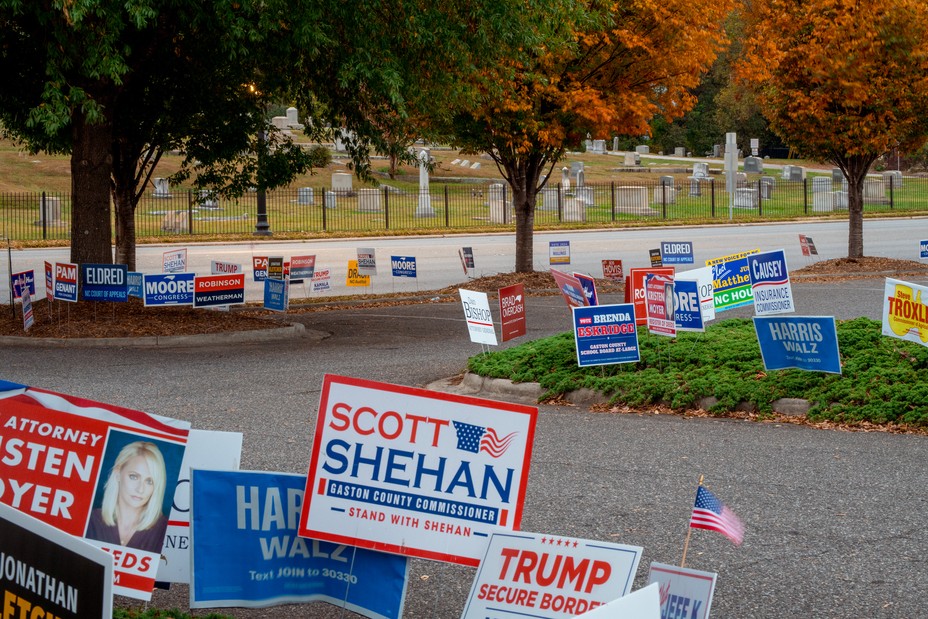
(45, 573)
(478, 317)
(559, 252)
(403, 266)
(56, 457)
(512, 312)
(637, 295)
(415, 472)
(804, 342)
(206, 449)
(731, 280)
(770, 283)
(302, 267)
(66, 282)
(571, 289)
(167, 289)
(246, 551)
(684, 592)
(212, 290)
(905, 311)
(104, 282)
(535, 575)
(605, 334)
(677, 252)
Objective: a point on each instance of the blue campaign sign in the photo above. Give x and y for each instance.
(275, 295)
(403, 266)
(676, 252)
(167, 289)
(16, 280)
(923, 250)
(246, 551)
(134, 284)
(589, 288)
(605, 334)
(104, 282)
(770, 283)
(804, 342)
(687, 311)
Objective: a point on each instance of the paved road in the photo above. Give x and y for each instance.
(835, 520)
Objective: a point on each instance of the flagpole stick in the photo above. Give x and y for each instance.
(689, 531)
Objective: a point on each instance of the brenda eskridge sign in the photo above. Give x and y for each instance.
(415, 472)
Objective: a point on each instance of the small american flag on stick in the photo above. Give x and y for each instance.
(710, 513)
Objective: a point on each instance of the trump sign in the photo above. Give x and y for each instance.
(415, 472)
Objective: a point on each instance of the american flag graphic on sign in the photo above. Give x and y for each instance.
(475, 439)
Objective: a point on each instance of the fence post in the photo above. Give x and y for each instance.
(505, 210)
(663, 200)
(612, 199)
(805, 196)
(447, 215)
(711, 195)
(560, 206)
(190, 211)
(892, 182)
(760, 200)
(386, 208)
(44, 218)
(324, 209)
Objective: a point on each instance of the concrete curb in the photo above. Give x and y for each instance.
(529, 393)
(288, 332)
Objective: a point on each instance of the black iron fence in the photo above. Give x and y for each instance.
(37, 216)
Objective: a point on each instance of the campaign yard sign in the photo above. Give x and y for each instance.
(367, 261)
(659, 304)
(174, 261)
(612, 270)
(302, 267)
(58, 453)
(571, 289)
(770, 283)
(512, 312)
(104, 282)
(49, 280)
(415, 472)
(21, 280)
(355, 278)
(589, 288)
(246, 551)
(605, 334)
(807, 246)
(803, 342)
(167, 289)
(676, 252)
(684, 593)
(66, 282)
(213, 290)
(654, 255)
(466, 254)
(206, 449)
(535, 575)
(134, 282)
(276, 297)
(259, 268)
(275, 267)
(731, 280)
(478, 317)
(47, 573)
(636, 293)
(923, 250)
(403, 266)
(28, 316)
(321, 279)
(220, 267)
(559, 252)
(703, 278)
(905, 311)
(644, 603)
(687, 311)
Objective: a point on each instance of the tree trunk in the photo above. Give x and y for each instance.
(124, 202)
(855, 169)
(91, 166)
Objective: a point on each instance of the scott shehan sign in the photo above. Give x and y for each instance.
(415, 472)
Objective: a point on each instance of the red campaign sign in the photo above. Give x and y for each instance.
(659, 303)
(68, 462)
(259, 268)
(636, 294)
(612, 269)
(571, 289)
(512, 311)
(212, 290)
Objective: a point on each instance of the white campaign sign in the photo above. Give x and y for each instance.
(415, 472)
(642, 604)
(535, 575)
(703, 279)
(478, 316)
(683, 592)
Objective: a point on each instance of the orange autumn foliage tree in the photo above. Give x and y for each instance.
(843, 81)
(608, 68)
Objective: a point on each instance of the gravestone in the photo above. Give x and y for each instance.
(575, 168)
(174, 222)
(632, 200)
(741, 179)
(162, 188)
(578, 179)
(823, 201)
(330, 199)
(573, 210)
(874, 191)
(679, 151)
(665, 194)
(753, 165)
(475, 165)
(837, 175)
(549, 198)
(797, 173)
(293, 118)
(304, 196)
(584, 195)
(341, 181)
(49, 211)
(369, 201)
(716, 150)
(630, 160)
(667, 180)
(767, 183)
(500, 209)
(599, 147)
(424, 207)
(892, 178)
(588, 145)
(695, 188)
(565, 180)
(615, 143)
(701, 170)
(208, 200)
(280, 122)
(455, 161)
(746, 198)
(841, 200)
(643, 149)
(465, 163)
(637, 159)
(786, 172)
(821, 184)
